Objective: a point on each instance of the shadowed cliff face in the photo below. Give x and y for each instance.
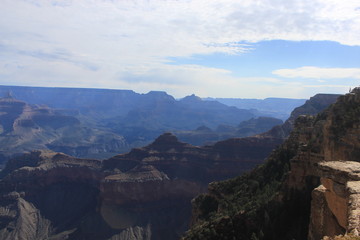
(307, 189)
(201, 164)
(144, 194)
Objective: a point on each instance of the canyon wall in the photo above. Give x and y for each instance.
(307, 189)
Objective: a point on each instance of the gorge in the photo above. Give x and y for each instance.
(144, 194)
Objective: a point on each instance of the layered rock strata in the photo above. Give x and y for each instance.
(308, 187)
(336, 202)
(144, 194)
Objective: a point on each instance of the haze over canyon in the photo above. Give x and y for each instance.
(47, 191)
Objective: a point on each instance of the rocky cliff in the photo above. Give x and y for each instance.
(144, 194)
(25, 127)
(45, 194)
(307, 189)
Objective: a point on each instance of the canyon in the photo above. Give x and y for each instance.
(143, 194)
(141, 118)
(25, 127)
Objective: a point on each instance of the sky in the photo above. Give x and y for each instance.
(211, 48)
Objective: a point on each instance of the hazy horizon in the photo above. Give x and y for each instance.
(220, 49)
(176, 98)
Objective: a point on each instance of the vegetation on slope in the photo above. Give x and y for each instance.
(243, 203)
(261, 204)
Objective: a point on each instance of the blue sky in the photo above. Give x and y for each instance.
(213, 48)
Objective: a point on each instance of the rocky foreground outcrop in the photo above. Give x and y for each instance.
(335, 205)
(307, 189)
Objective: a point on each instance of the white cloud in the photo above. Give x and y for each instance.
(319, 73)
(126, 44)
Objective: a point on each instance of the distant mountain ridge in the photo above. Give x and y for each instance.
(140, 118)
(272, 107)
(107, 101)
(25, 127)
(204, 135)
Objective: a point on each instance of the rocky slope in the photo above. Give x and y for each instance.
(25, 127)
(307, 189)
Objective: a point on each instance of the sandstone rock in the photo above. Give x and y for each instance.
(342, 194)
(354, 207)
(322, 220)
(340, 171)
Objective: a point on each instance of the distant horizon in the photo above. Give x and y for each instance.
(222, 49)
(176, 98)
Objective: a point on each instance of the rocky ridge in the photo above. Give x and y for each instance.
(307, 189)
(205, 136)
(144, 194)
(139, 118)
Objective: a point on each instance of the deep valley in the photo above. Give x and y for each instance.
(48, 192)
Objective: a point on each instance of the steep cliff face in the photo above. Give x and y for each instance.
(44, 194)
(307, 189)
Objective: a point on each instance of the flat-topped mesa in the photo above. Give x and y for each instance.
(335, 206)
(142, 173)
